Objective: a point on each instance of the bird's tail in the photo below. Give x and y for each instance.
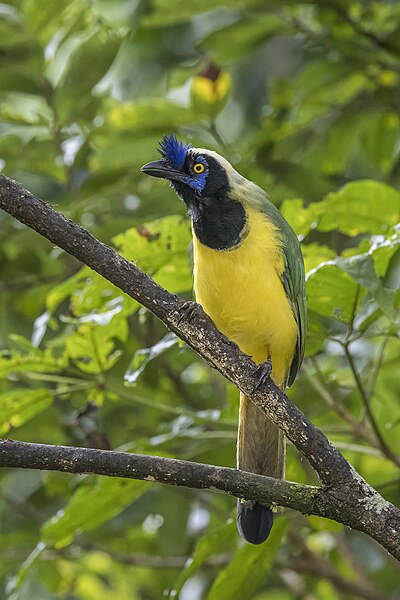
(260, 449)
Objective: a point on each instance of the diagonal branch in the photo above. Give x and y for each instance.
(352, 501)
(187, 320)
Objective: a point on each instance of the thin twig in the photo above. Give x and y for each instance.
(213, 129)
(377, 368)
(25, 508)
(137, 559)
(360, 386)
(315, 565)
(317, 383)
(371, 418)
(310, 562)
(359, 449)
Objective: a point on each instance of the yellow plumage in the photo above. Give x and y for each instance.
(242, 291)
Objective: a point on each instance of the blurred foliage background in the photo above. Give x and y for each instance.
(304, 99)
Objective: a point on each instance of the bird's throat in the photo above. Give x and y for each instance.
(219, 223)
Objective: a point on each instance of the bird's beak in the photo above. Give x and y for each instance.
(159, 168)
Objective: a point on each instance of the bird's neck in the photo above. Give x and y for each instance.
(219, 222)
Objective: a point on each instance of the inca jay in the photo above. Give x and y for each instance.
(249, 278)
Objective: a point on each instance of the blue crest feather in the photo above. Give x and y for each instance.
(173, 150)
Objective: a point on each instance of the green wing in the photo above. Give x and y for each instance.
(295, 287)
(294, 282)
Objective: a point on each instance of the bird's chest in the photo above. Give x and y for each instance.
(241, 288)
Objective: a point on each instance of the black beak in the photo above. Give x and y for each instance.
(159, 168)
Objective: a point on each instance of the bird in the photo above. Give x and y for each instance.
(248, 274)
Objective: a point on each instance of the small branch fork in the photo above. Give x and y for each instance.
(344, 497)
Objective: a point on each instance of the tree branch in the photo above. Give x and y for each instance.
(351, 500)
(304, 498)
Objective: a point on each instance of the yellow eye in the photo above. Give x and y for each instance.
(199, 168)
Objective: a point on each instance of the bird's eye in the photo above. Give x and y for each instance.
(199, 168)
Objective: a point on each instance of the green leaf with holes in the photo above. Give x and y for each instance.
(95, 345)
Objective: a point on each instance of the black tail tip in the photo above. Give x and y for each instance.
(254, 521)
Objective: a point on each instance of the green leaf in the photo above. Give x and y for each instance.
(96, 299)
(342, 142)
(241, 579)
(44, 18)
(58, 68)
(60, 292)
(161, 249)
(115, 151)
(361, 269)
(382, 249)
(300, 218)
(245, 36)
(116, 12)
(146, 116)
(35, 360)
(162, 15)
(20, 405)
(315, 254)
(316, 87)
(25, 133)
(359, 207)
(25, 108)
(331, 292)
(142, 357)
(91, 506)
(219, 540)
(379, 139)
(93, 347)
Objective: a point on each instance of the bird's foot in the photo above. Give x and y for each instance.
(263, 373)
(187, 311)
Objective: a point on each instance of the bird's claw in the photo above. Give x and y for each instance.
(187, 310)
(263, 373)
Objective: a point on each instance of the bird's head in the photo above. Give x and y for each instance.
(194, 173)
(215, 194)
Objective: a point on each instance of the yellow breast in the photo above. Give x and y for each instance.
(242, 291)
